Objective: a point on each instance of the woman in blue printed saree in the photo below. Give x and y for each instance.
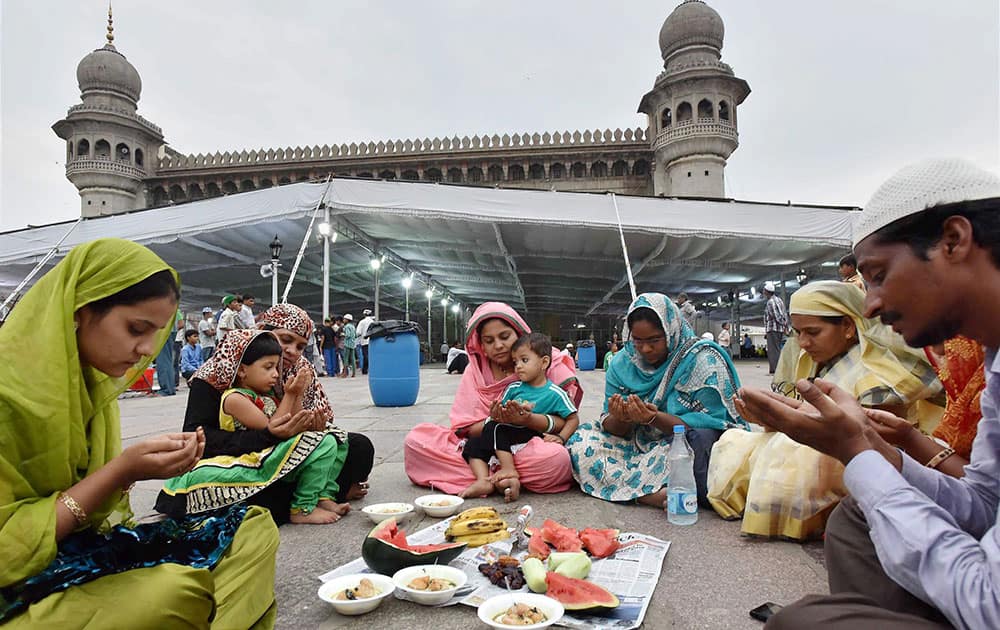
(664, 376)
(76, 341)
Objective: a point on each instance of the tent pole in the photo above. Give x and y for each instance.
(377, 271)
(326, 266)
(12, 298)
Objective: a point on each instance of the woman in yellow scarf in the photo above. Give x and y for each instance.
(76, 341)
(788, 490)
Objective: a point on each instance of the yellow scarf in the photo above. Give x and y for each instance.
(59, 420)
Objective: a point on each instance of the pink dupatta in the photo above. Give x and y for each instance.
(478, 389)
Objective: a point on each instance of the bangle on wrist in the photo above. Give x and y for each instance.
(552, 423)
(79, 515)
(561, 440)
(940, 457)
(650, 421)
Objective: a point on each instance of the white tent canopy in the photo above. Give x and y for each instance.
(543, 252)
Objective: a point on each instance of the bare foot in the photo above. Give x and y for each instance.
(480, 488)
(657, 499)
(502, 474)
(357, 491)
(319, 516)
(333, 506)
(511, 487)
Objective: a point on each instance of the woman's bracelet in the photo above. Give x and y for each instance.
(940, 457)
(552, 423)
(561, 440)
(74, 508)
(650, 421)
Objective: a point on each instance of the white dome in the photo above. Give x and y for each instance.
(692, 23)
(108, 69)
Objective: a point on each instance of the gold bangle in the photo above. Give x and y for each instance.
(940, 457)
(651, 420)
(74, 508)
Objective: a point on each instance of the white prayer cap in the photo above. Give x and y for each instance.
(769, 286)
(921, 186)
(709, 336)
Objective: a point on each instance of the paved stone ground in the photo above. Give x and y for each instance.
(711, 578)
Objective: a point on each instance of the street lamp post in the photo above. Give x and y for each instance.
(455, 309)
(407, 283)
(275, 263)
(444, 320)
(429, 294)
(376, 265)
(329, 236)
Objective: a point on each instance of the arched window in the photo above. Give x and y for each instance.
(474, 175)
(557, 171)
(139, 158)
(365, 174)
(228, 188)
(723, 110)
(303, 177)
(666, 118)
(433, 175)
(455, 175)
(387, 174)
(194, 192)
(705, 109)
(579, 169)
(410, 175)
(495, 173)
(122, 154)
(69, 151)
(599, 169)
(83, 148)
(284, 180)
(641, 167)
(212, 190)
(102, 149)
(684, 112)
(515, 172)
(159, 196)
(246, 185)
(619, 168)
(177, 194)
(536, 171)
(266, 183)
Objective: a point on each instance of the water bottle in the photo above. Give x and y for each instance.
(682, 495)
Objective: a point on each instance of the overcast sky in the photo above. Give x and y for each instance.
(843, 93)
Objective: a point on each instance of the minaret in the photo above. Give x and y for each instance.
(110, 149)
(692, 106)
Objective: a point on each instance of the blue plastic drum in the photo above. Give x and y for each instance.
(394, 373)
(586, 356)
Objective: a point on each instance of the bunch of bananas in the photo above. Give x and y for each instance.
(477, 526)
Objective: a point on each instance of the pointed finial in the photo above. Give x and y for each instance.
(111, 27)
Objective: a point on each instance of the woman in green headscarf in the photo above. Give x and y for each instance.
(76, 341)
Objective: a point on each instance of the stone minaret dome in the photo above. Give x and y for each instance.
(110, 149)
(692, 106)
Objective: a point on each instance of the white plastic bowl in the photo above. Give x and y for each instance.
(403, 577)
(439, 511)
(329, 590)
(493, 606)
(381, 511)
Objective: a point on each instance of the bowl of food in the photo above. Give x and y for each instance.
(358, 593)
(381, 511)
(439, 505)
(430, 584)
(520, 610)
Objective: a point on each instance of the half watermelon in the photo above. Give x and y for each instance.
(386, 551)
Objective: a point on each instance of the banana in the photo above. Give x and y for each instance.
(476, 512)
(477, 540)
(476, 526)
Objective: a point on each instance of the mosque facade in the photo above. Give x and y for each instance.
(119, 161)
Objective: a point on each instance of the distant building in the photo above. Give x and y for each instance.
(120, 161)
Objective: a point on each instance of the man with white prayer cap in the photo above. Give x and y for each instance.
(911, 547)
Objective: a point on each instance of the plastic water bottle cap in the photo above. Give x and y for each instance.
(679, 428)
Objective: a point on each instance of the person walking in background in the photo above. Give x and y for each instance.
(775, 325)
(328, 341)
(229, 320)
(610, 354)
(687, 309)
(350, 345)
(246, 316)
(444, 351)
(206, 333)
(849, 272)
(338, 339)
(178, 345)
(725, 338)
(746, 350)
(362, 334)
(165, 368)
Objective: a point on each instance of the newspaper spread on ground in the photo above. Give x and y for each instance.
(631, 574)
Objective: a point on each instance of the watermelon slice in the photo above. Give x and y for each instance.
(579, 595)
(538, 548)
(386, 551)
(561, 537)
(601, 543)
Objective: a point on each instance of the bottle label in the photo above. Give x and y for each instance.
(682, 502)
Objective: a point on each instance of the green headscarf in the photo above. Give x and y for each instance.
(59, 420)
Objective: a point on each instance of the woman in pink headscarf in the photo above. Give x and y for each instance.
(433, 453)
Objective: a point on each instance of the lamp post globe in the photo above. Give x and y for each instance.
(275, 256)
